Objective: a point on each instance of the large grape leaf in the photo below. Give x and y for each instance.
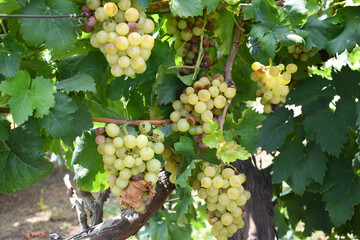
(89, 169)
(321, 31)
(58, 33)
(341, 191)
(182, 180)
(300, 169)
(246, 130)
(27, 95)
(158, 230)
(350, 35)
(185, 146)
(168, 85)
(22, 162)
(59, 122)
(8, 6)
(4, 130)
(10, 55)
(275, 127)
(325, 123)
(79, 82)
(295, 12)
(346, 83)
(224, 31)
(185, 8)
(179, 233)
(210, 5)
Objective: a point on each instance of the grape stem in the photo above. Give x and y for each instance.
(3, 27)
(222, 121)
(201, 50)
(164, 122)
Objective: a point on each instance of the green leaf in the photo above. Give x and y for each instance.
(9, 6)
(185, 146)
(22, 163)
(57, 33)
(209, 155)
(82, 46)
(211, 141)
(325, 123)
(10, 55)
(295, 12)
(292, 164)
(89, 171)
(184, 205)
(341, 181)
(158, 230)
(210, 5)
(167, 86)
(231, 151)
(77, 83)
(350, 35)
(320, 32)
(275, 127)
(143, 3)
(4, 130)
(182, 180)
(266, 12)
(247, 129)
(346, 83)
(27, 95)
(224, 31)
(179, 233)
(59, 122)
(184, 8)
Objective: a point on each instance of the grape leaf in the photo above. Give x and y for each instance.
(59, 122)
(209, 155)
(275, 127)
(350, 35)
(325, 123)
(57, 33)
(10, 55)
(185, 146)
(89, 169)
(185, 8)
(158, 230)
(4, 130)
(184, 205)
(210, 5)
(22, 163)
(36, 67)
(81, 121)
(79, 82)
(295, 12)
(120, 87)
(179, 233)
(320, 32)
(246, 130)
(182, 180)
(9, 6)
(346, 82)
(168, 86)
(82, 46)
(300, 169)
(143, 3)
(231, 151)
(28, 95)
(223, 30)
(341, 181)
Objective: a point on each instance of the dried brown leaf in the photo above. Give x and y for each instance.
(132, 195)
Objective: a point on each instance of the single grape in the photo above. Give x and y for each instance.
(206, 128)
(141, 141)
(145, 53)
(94, 4)
(218, 182)
(186, 34)
(121, 183)
(267, 108)
(153, 165)
(133, 51)
(101, 37)
(122, 29)
(220, 102)
(151, 177)
(227, 219)
(137, 63)
(183, 125)
(116, 191)
(100, 14)
(145, 127)
(122, 43)
(201, 107)
(149, 26)
(146, 153)
(122, 152)
(159, 148)
(124, 4)
(100, 139)
(240, 201)
(147, 42)
(207, 116)
(206, 182)
(193, 99)
(291, 68)
(125, 174)
(230, 92)
(109, 159)
(124, 61)
(111, 49)
(130, 141)
(119, 164)
(212, 192)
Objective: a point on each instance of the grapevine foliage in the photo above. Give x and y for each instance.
(54, 83)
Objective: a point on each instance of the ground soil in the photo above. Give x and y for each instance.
(42, 208)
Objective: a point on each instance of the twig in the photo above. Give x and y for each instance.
(76, 203)
(157, 5)
(45, 16)
(222, 121)
(4, 110)
(166, 11)
(164, 122)
(3, 27)
(95, 206)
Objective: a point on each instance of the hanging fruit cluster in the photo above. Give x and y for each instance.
(301, 53)
(131, 163)
(122, 34)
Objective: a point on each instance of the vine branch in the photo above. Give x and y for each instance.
(164, 122)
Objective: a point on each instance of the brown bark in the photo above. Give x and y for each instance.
(259, 224)
(130, 222)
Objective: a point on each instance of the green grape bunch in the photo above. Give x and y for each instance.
(171, 163)
(122, 33)
(128, 157)
(188, 32)
(272, 84)
(301, 53)
(200, 103)
(222, 190)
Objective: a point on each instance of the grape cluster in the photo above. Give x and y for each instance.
(301, 53)
(272, 84)
(128, 157)
(171, 163)
(222, 190)
(199, 104)
(122, 36)
(187, 32)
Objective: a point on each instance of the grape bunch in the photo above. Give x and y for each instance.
(122, 34)
(187, 32)
(222, 190)
(301, 53)
(272, 84)
(199, 104)
(128, 157)
(171, 163)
